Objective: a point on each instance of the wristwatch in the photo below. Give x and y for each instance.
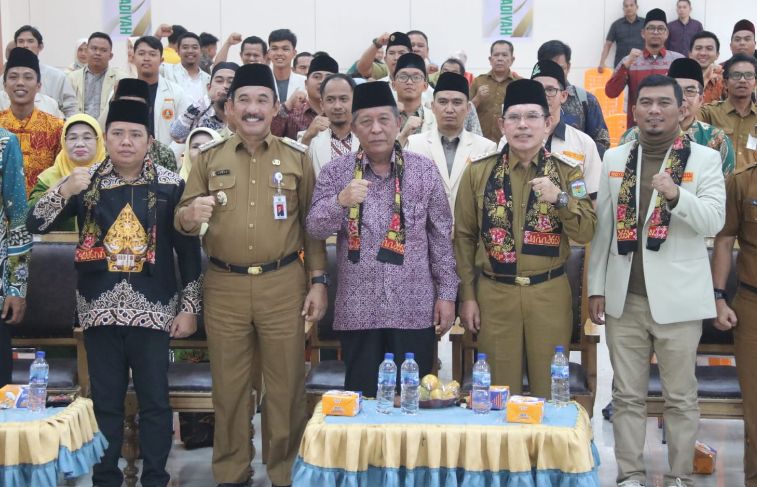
(376, 43)
(720, 294)
(324, 279)
(562, 200)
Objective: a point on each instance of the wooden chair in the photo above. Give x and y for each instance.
(583, 376)
(50, 316)
(718, 385)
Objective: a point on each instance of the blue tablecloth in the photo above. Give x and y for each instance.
(36, 448)
(448, 447)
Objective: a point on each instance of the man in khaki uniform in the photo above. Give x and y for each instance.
(515, 214)
(740, 215)
(488, 90)
(737, 115)
(254, 191)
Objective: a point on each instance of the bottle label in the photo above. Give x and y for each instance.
(482, 379)
(388, 379)
(410, 379)
(560, 372)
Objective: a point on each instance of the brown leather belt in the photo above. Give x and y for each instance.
(258, 269)
(530, 280)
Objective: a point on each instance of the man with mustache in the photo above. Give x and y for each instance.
(515, 214)
(653, 59)
(187, 73)
(488, 90)
(337, 139)
(648, 272)
(389, 210)
(208, 112)
(737, 115)
(254, 190)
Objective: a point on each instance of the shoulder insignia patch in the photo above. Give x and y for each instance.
(485, 155)
(567, 160)
(294, 144)
(211, 144)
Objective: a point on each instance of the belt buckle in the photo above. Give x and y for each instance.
(254, 271)
(523, 281)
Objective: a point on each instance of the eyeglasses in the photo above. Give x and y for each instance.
(417, 78)
(531, 117)
(652, 29)
(75, 138)
(552, 91)
(691, 92)
(736, 75)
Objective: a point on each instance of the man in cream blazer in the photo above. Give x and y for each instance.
(99, 55)
(449, 145)
(653, 286)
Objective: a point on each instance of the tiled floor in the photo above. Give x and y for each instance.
(192, 468)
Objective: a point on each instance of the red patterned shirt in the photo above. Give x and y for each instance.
(340, 147)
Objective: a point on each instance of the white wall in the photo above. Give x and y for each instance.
(344, 28)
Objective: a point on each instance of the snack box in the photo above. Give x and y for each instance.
(342, 403)
(526, 410)
(704, 458)
(14, 396)
(498, 396)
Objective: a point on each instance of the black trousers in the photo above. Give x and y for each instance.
(111, 352)
(363, 351)
(6, 354)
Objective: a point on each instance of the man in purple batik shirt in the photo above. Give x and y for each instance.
(397, 277)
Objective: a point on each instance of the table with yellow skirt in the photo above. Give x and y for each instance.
(448, 447)
(36, 448)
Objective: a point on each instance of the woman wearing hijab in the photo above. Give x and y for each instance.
(80, 57)
(197, 138)
(129, 68)
(83, 146)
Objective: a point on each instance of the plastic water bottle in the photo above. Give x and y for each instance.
(560, 379)
(387, 384)
(482, 381)
(38, 374)
(410, 383)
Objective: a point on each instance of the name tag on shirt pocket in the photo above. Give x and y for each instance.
(288, 189)
(222, 188)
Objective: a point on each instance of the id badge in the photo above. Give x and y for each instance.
(279, 207)
(751, 144)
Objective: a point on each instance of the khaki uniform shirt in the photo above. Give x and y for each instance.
(490, 108)
(578, 219)
(243, 231)
(741, 220)
(723, 115)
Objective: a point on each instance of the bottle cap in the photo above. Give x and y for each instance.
(409, 356)
(388, 356)
(481, 356)
(40, 355)
(559, 349)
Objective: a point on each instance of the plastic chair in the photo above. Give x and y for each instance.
(593, 79)
(616, 125)
(610, 106)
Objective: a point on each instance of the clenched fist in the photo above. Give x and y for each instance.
(234, 39)
(411, 126)
(200, 210)
(164, 30)
(319, 124)
(355, 193)
(296, 99)
(634, 54)
(77, 182)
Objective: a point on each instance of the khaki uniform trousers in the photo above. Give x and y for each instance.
(745, 344)
(537, 318)
(631, 340)
(240, 312)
